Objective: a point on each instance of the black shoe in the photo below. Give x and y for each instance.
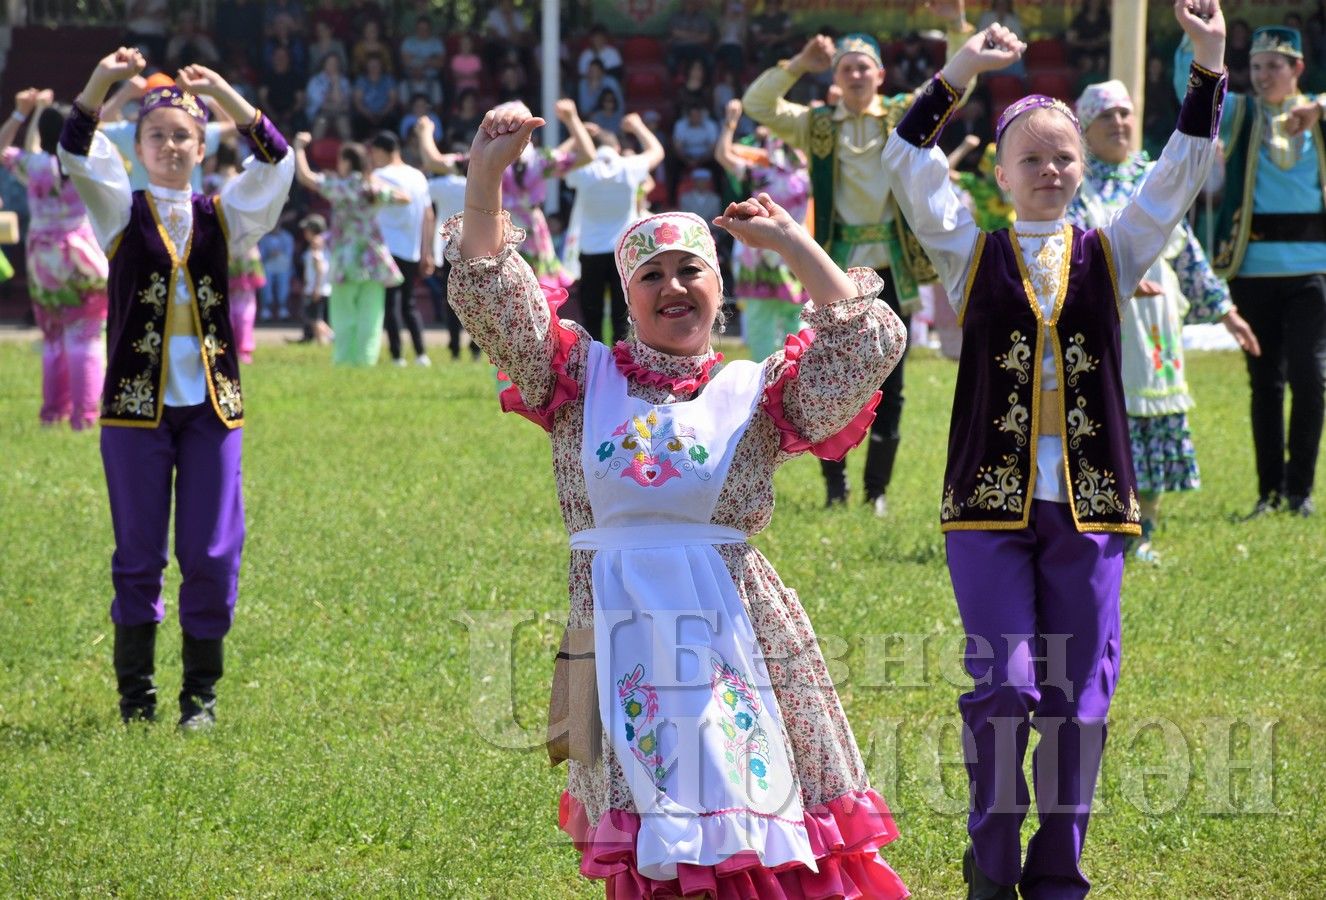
(202, 670)
(134, 655)
(981, 886)
(836, 498)
(1301, 506)
(1267, 503)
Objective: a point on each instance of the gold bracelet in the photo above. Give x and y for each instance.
(491, 212)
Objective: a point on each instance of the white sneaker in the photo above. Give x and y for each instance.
(423, 360)
(399, 362)
(881, 505)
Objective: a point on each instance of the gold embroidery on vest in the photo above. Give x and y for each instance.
(1043, 270)
(213, 346)
(1014, 421)
(1078, 360)
(949, 508)
(149, 344)
(1095, 491)
(1134, 510)
(999, 487)
(154, 295)
(1017, 359)
(1080, 424)
(823, 135)
(136, 397)
(208, 297)
(228, 396)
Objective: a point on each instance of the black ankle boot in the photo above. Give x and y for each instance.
(135, 649)
(202, 669)
(981, 886)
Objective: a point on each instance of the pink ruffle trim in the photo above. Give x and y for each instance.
(626, 364)
(565, 388)
(846, 835)
(835, 446)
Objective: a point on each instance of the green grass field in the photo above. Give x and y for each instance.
(361, 750)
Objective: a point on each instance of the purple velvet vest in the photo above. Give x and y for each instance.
(993, 433)
(143, 269)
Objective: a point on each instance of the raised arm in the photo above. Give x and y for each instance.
(731, 163)
(822, 386)
(96, 167)
(764, 100)
(32, 137)
(1139, 231)
(919, 171)
(579, 140)
(433, 159)
(651, 149)
(25, 101)
(493, 291)
(304, 174)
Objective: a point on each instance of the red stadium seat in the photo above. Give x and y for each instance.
(1004, 89)
(1057, 83)
(645, 83)
(642, 49)
(324, 152)
(1046, 54)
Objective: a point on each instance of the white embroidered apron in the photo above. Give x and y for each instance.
(683, 691)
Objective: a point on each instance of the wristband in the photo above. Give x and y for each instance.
(18, 117)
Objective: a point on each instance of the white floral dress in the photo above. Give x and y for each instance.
(819, 396)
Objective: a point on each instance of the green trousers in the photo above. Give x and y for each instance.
(356, 310)
(767, 323)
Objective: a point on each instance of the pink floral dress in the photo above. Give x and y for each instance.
(524, 189)
(819, 395)
(357, 250)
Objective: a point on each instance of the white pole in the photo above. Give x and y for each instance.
(1128, 55)
(552, 89)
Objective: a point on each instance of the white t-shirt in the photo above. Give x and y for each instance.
(605, 197)
(448, 194)
(609, 56)
(402, 224)
(311, 266)
(695, 140)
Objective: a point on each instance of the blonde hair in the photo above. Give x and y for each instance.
(1036, 122)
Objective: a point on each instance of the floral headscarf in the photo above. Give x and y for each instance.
(647, 238)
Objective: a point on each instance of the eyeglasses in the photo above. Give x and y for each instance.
(180, 138)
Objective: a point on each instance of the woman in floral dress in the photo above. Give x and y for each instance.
(769, 295)
(361, 265)
(1181, 287)
(664, 467)
(66, 270)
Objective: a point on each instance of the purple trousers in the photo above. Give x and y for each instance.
(203, 456)
(1040, 606)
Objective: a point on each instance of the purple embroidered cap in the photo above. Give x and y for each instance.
(162, 92)
(1027, 104)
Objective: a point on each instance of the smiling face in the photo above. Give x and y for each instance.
(1110, 134)
(170, 144)
(859, 78)
(674, 300)
(1275, 76)
(1040, 164)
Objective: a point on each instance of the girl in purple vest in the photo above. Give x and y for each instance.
(1039, 489)
(172, 409)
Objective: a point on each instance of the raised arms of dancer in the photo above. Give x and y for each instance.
(578, 141)
(650, 148)
(731, 163)
(304, 173)
(32, 137)
(88, 155)
(434, 160)
(493, 291)
(25, 105)
(252, 201)
(857, 339)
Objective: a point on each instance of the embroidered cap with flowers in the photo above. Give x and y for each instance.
(647, 238)
(163, 92)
